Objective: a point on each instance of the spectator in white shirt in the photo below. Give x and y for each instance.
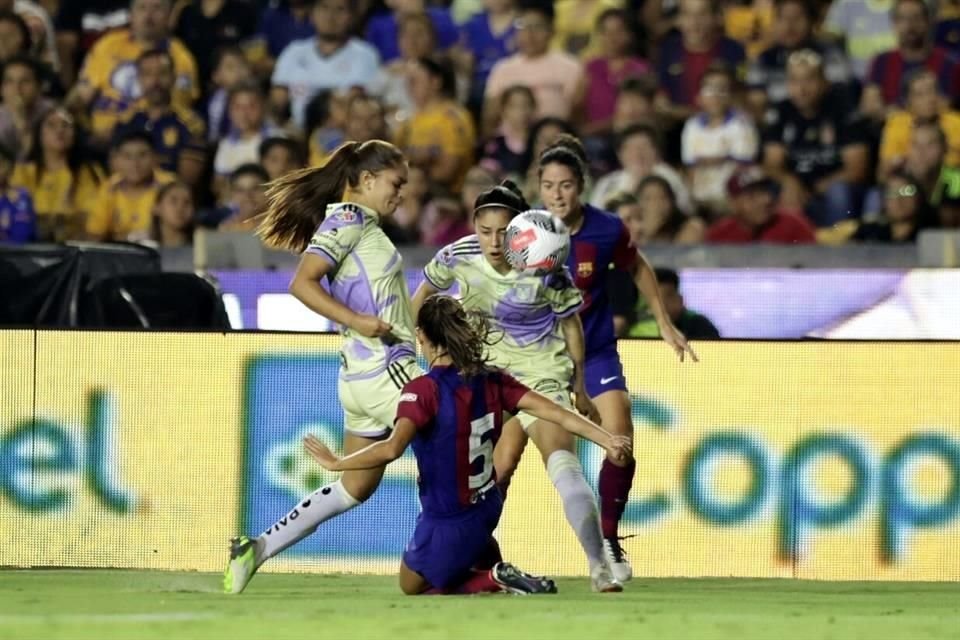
(249, 129)
(332, 60)
(638, 151)
(716, 140)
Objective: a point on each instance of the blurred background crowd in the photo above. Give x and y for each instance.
(791, 121)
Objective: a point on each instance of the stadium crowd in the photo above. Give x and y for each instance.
(788, 121)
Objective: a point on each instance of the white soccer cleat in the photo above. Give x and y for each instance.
(617, 557)
(602, 580)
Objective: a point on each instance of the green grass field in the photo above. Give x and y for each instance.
(145, 604)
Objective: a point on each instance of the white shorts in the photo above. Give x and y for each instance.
(370, 404)
(553, 389)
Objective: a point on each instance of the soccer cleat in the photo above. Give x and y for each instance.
(617, 558)
(603, 581)
(512, 580)
(242, 565)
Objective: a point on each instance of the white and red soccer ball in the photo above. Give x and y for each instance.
(536, 242)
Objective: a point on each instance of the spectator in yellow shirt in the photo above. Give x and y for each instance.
(575, 25)
(64, 186)
(108, 83)
(923, 105)
(440, 136)
(124, 206)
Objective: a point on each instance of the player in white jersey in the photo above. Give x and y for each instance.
(539, 341)
(332, 215)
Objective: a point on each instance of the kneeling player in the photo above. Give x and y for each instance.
(453, 417)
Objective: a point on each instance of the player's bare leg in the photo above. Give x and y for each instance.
(507, 454)
(616, 479)
(579, 505)
(352, 489)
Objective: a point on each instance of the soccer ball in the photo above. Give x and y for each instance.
(536, 242)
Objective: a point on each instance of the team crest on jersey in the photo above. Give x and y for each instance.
(584, 269)
(170, 137)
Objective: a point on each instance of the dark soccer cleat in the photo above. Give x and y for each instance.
(512, 580)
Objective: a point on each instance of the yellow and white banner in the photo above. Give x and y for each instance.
(812, 460)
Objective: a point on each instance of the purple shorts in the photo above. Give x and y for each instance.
(443, 549)
(603, 372)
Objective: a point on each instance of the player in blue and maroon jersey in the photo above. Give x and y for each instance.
(599, 241)
(453, 417)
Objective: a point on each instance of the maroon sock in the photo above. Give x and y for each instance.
(489, 557)
(615, 483)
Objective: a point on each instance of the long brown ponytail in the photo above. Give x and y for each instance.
(297, 202)
(464, 335)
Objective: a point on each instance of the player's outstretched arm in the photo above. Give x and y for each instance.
(619, 447)
(306, 288)
(376, 455)
(646, 280)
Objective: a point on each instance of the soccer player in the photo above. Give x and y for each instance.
(541, 345)
(332, 214)
(599, 240)
(453, 416)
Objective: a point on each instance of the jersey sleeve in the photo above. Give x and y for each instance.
(624, 253)
(418, 402)
(511, 391)
(439, 272)
(564, 296)
(101, 213)
(337, 235)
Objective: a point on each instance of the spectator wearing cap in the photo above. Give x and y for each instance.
(178, 133)
(440, 136)
(23, 105)
(793, 30)
(555, 77)
(108, 83)
(124, 206)
(685, 56)
(693, 325)
(331, 60)
(815, 144)
(885, 84)
(755, 217)
(382, 29)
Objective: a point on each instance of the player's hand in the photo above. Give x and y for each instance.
(319, 452)
(585, 406)
(620, 448)
(373, 327)
(673, 337)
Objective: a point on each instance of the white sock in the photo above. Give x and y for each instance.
(579, 503)
(321, 505)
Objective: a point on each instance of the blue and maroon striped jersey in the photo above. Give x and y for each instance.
(459, 421)
(602, 243)
(890, 72)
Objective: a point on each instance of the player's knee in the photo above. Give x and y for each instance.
(562, 464)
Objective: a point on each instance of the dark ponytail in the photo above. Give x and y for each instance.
(297, 202)
(505, 195)
(464, 335)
